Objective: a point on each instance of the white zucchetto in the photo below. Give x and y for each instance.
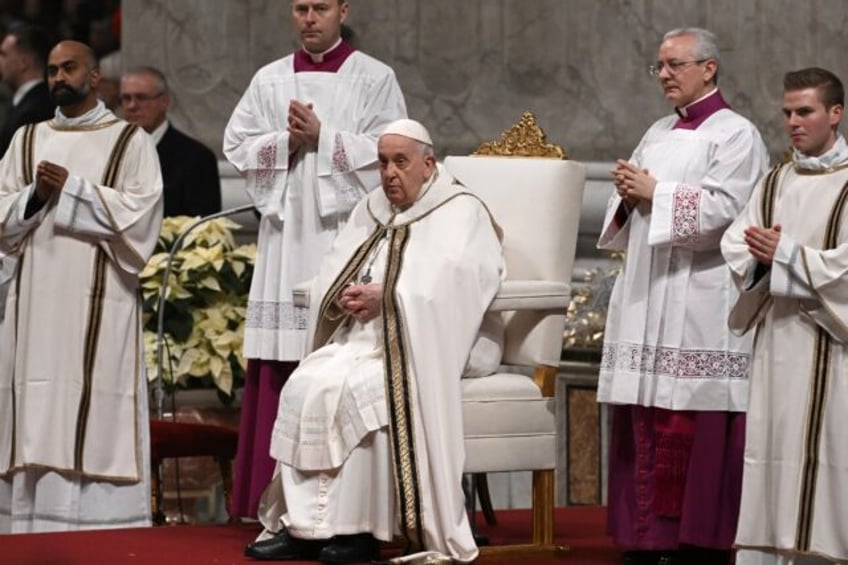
(409, 128)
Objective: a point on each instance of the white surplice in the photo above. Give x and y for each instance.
(666, 342)
(73, 402)
(304, 200)
(796, 451)
(344, 423)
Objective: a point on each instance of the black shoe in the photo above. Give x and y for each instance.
(351, 549)
(703, 556)
(283, 547)
(675, 558)
(641, 558)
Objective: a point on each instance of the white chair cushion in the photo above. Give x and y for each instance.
(508, 418)
(508, 424)
(505, 405)
(532, 295)
(500, 386)
(510, 453)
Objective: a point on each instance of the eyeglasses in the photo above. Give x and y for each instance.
(673, 67)
(139, 98)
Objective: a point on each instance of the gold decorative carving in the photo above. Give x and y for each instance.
(524, 139)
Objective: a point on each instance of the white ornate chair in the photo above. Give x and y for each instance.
(510, 418)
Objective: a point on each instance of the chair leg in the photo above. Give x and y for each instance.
(543, 507)
(156, 494)
(542, 542)
(481, 485)
(225, 465)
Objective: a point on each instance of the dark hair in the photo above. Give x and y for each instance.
(348, 34)
(828, 85)
(33, 40)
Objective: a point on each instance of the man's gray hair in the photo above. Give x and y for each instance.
(426, 149)
(157, 75)
(706, 44)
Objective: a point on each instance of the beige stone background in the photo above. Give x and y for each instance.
(468, 68)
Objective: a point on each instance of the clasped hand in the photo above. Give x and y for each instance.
(762, 242)
(362, 301)
(632, 183)
(49, 179)
(303, 126)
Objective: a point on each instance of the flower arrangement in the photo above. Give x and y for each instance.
(587, 312)
(205, 306)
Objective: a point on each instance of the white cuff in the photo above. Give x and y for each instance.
(662, 214)
(787, 272)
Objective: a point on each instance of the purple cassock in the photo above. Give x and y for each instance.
(254, 467)
(265, 378)
(675, 477)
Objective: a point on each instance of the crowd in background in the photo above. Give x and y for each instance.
(94, 22)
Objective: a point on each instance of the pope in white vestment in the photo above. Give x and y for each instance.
(73, 391)
(795, 482)
(369, 429)
(304, 194)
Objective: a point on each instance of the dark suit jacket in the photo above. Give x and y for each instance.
(35, 106)
(190, 175)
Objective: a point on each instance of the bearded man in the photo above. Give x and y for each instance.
(80, 210)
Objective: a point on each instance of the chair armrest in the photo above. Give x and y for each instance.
(300, 294)
(532, 295)
(513, 295)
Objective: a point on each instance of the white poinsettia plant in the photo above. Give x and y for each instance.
(205, 306)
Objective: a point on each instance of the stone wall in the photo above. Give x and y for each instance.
(469, 68)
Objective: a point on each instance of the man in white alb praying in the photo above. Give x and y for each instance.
(369, 429)
(677, 377)
(788, 252)
(304, 135)
(80, 210)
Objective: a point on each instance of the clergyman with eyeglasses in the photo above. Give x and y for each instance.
(192, 186)
(676, 377)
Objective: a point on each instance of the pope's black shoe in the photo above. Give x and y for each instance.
(283, 547)
(356, 548)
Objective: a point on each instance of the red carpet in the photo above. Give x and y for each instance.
(582, 528)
